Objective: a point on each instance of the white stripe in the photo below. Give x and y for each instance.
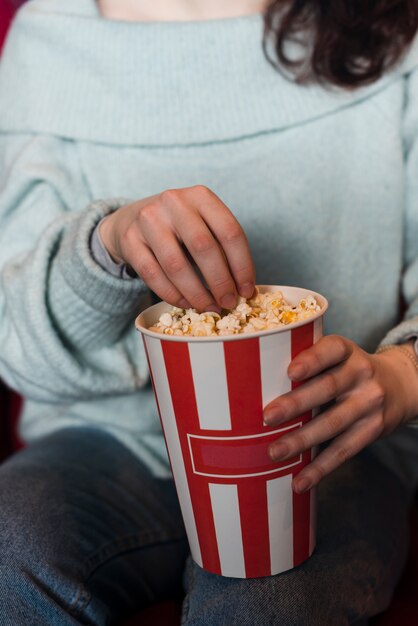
(225, 507)
(275, 356)
(168, 418)
(317, 330)
(210, 384)
(280, 516)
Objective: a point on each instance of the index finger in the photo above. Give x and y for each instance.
(232, 239)
(327, 352)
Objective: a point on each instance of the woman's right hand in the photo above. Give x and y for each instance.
(153, 235)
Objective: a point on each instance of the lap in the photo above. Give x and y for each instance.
(88, 534)
(361, 549)
(101, 535)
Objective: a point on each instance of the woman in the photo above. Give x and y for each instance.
(174, 110)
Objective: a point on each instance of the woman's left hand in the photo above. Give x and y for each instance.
(372, 393)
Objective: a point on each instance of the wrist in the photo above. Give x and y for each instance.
(403, 362)
(106, 232)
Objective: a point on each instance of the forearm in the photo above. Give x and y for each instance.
(64, 319)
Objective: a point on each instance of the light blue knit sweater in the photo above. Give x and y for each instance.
(324, 182)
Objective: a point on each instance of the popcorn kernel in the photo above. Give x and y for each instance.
(261, 312)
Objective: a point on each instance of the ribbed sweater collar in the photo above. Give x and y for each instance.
(79, 76)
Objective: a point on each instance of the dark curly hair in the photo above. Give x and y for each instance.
(348, 43)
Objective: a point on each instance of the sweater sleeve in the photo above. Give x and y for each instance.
(66, 325)
(408, 327)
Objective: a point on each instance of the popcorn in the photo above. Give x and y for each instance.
(166, 320)
(262, 312)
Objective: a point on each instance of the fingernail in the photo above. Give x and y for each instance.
(268, 418)
(184, 304)
(229, 301)
(302, 485)
(297, 371)
(273, 416)
(213, 308)
(279, 451)
(246, 290)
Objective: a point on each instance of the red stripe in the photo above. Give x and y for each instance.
(180, 379)
(302, 338)
(236, 457)
(252, 496)
(313, 511)
(301, 520)
(243, 370)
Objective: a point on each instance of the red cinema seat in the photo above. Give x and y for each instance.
(7, 9)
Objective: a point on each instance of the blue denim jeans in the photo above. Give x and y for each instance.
(89, 536)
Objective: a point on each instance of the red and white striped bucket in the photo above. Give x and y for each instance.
(241, 515)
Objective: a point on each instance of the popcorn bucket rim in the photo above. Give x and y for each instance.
(162, 307)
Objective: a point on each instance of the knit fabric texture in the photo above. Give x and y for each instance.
(96, 113)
